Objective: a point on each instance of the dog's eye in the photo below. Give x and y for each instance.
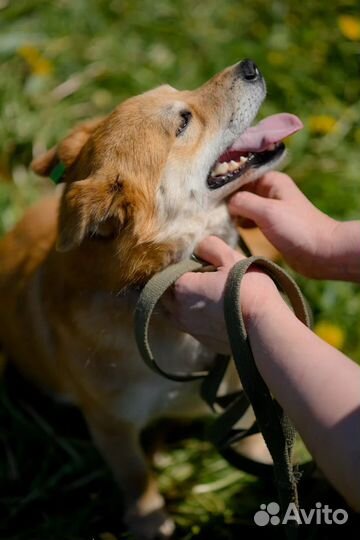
(185, 119)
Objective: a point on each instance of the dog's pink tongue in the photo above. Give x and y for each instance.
(272, 129)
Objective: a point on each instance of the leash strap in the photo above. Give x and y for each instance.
(148, 299)
(274, 425)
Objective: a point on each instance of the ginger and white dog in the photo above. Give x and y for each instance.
(142, 187)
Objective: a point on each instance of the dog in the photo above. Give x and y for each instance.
(141, 188)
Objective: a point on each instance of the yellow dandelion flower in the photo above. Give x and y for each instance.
(350, 27)
(29, 53)
(331, 333)
(322, 124)
(38, 64)
(42, 67)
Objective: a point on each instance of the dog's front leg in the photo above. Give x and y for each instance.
(119, 444)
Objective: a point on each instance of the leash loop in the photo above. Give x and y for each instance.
(275, 426)
(148, 299)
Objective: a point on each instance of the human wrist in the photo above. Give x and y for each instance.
(319, 261)
(344, 261)
(336, 255)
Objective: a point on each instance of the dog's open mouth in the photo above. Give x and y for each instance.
(258, 145)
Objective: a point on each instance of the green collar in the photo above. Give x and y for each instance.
(58, 172)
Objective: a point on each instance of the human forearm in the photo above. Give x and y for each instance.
(345, 261)
(319, 389)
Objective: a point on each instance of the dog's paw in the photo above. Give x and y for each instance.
(156, 525)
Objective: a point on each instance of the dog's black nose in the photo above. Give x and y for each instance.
(248, 70)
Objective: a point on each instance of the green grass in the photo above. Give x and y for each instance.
(54, 485)
(65, 61)
(61, 62)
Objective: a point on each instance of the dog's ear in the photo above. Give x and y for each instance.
(67, 150)
(94, 206)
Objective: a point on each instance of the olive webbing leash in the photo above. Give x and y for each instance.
(274, 425)
(276, 428)
(149, 297)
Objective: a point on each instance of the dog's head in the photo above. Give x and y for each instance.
(146, 178)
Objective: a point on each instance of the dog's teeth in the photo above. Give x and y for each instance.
(220, 169)
(233, 165)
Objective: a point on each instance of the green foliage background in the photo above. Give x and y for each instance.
(61, 62)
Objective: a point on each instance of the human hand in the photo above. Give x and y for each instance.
(301, 232)
(196, 302)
